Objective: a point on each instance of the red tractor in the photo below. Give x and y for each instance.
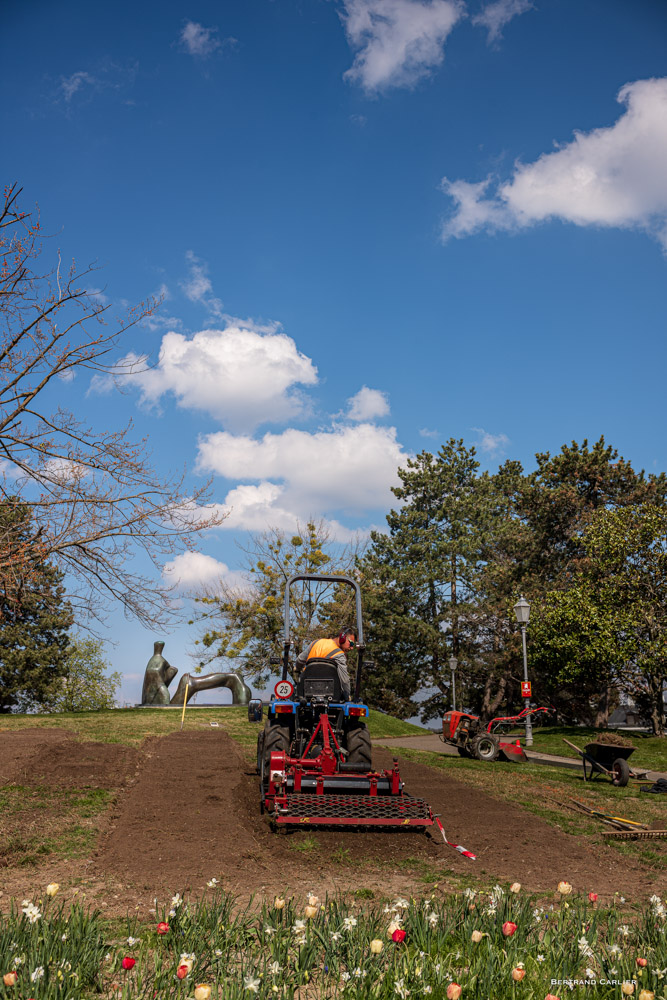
(472, 739)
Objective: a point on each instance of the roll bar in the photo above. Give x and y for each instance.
(319, 578)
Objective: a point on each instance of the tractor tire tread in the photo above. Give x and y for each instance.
(359, 746)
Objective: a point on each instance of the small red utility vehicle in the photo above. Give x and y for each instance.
(472, 739)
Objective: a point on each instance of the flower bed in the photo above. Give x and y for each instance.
(497, 946)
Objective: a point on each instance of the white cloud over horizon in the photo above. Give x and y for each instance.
(367, 404)
(198, 40)
(243, 377)
(349, 468)
(612, 177)
(398, 42)
(496, 15)
(193, 571)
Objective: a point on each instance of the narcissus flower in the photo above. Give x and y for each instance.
(10, 979)
(202, 991)
(311, 911)
(398, 935)
(509, 928)
(128, 963)
(162, 928)
(592, 897)
(454, 991)
(52, 888)
(279, 903)
(515, 887)
(518, 973)
(564, 888)
(476, 937)
(376, 946)
(642, 962)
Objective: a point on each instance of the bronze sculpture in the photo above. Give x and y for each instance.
(159, 675)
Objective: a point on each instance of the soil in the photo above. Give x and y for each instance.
(186, 810)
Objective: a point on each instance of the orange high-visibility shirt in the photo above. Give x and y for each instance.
(324, 649)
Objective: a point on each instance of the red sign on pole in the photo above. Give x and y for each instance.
(525, 689)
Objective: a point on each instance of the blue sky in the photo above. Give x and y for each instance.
(376, 224)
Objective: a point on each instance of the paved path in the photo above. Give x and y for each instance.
(434, 744)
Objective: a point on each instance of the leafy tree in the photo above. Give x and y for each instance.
(86, 687)
(34, 618)
(94, 495)
(244, 625)
(425, 574)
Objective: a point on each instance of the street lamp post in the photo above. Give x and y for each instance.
(522, 612)
(453, 664)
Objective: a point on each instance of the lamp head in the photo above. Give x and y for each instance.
(522, 611)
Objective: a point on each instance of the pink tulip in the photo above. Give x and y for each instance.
(509, 928)
(162, 928)
(454, 991)
(128, 963)
(518, 974)
(642, 962)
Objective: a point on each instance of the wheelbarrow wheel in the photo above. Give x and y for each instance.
(620, 773)
(485, 746)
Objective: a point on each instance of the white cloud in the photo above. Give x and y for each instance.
(70, 85)
(348, 468)
(613, 176)
(496, 15)
(399, 41)
(240, 376)
(198, 287)
(491, 443)
(425, 432)
(368, 404)
(191, 571)
(199, 41)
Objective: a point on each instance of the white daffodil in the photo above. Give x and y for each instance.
(218, 952)
(540, 958)
(615, 950)
(275, 968)
(433, 919)
(469, 893)
(624, 930)
(299, 927)
(212, 882)
(251, 983)
(584, 948)
(269, 930)
(132, 941)
(400, 988)
(31, 911)
(345, 976)
(590, 974)
(349, 923)
(37, 974)
(401, 904)
(336, 936)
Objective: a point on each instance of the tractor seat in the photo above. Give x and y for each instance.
(319, 679)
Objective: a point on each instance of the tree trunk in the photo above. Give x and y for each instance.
(657, 716)
(602, 714)
(490, 703)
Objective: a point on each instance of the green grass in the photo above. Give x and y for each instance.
(651, 752)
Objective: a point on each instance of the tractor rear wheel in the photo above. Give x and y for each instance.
(276, 739)
(359, 746)
(485, 746)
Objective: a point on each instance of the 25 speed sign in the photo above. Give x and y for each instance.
(284, 689)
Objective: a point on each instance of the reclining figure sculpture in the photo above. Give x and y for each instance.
(159, 675)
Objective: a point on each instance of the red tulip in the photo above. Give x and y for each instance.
(182, 971)
(642, 962)
(162, 928)
(128, 963)
(398, 935)
(509, 928)
(592, 897)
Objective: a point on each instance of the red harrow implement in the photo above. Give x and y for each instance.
(314, 753)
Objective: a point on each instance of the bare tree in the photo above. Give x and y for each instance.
(95, 497)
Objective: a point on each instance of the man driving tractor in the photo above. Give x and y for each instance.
(331, 649)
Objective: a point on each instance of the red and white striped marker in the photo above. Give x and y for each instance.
(450, 843)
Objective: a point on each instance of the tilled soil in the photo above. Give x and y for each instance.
(187, 810)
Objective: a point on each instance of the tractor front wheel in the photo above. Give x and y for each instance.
(359, 746)
(485, 746)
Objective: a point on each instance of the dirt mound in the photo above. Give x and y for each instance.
(19, 749)
(85, 765)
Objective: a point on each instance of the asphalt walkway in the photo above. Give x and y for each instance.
(434, 744)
